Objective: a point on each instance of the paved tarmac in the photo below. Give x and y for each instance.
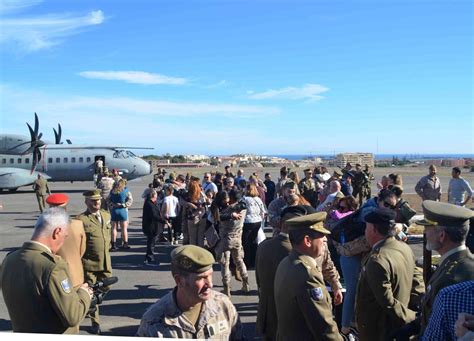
(139, 286)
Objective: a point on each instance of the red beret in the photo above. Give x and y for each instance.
(57, 199)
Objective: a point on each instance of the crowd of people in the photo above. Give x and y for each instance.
(333, 244)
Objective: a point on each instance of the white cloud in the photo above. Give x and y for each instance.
(136, 77)
(12, 6)
(310, 92)
(40, 32)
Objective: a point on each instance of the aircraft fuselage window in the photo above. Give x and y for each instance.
(4, 161)
(50, 160)
(73, 160)
(88, 159)
(58, 160)
(65, 160)
(27, 160)
(81, 159)
(12, 160)
(19, 161)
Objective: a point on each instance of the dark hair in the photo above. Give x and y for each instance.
(457, 234)
(384, 194)
(351, 202)
(235, 195)
(396, 179)
(297, 236)
(386, 229)
(457, 170)
(267, 174)
(218, 203)
(397, 190)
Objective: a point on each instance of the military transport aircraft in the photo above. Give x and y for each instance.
(22, 158)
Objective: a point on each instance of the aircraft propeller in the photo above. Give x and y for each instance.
(36, 144)
(57, 134)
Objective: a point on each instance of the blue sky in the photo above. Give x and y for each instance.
(222, 77)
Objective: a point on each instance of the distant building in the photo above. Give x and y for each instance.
(353, 158)
(435, 162)
(454, 163)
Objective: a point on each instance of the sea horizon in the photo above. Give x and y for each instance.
(415, 156)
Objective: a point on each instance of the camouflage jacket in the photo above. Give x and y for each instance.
(218, 320)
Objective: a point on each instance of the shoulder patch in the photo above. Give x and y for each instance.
(317, 294)
(66, 286)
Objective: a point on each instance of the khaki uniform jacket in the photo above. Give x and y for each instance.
(38, 292)
(218, 320)
(97, 255)
(303, 304)
(458, 267)
(230, 232)
(384, 290)
(269, 255)
(41, 186)
(72, 251)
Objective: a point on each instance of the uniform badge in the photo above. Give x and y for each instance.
(222, 326)
(317, 294)
(66, 286)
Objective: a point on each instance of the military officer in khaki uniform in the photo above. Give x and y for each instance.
(269, 255)
(303, 304)
(385, 283)
(192, 310)
(74, 246)
(96, 260)
(446, 228)
(36, 283)
(308, 189)
(41, 188)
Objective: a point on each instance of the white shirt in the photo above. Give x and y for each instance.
(171, 203)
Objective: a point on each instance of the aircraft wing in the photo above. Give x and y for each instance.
(68, 146)
(17, 177)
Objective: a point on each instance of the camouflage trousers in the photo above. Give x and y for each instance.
(237, 255)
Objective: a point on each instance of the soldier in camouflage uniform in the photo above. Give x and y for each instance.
(192, 310)
(308, 189)
(360, 184)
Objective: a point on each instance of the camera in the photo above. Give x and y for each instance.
(98, 295)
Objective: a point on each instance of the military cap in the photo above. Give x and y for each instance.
(313, 221)
(444, 214)
(57, 199)
(92, 194)
(192, 258)
(337, 173)
(381, 216)
(297, 211)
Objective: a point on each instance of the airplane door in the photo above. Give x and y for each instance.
(96, 158)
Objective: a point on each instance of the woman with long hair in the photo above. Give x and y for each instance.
(252, 223)
(194, 209)
(120, 199)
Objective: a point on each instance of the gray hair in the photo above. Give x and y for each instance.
(49, 220)
(457, 234)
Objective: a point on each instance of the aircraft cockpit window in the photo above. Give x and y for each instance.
(120, 154)
(130, 154)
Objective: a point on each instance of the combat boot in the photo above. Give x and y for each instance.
(226, 290)
(245, 285)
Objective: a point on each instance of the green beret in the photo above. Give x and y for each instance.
(93, 194)
(192, 258)
(313, 221)
(444, 214)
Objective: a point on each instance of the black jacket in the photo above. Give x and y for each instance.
(151, 217)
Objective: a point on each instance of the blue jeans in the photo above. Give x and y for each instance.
(350, 269)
